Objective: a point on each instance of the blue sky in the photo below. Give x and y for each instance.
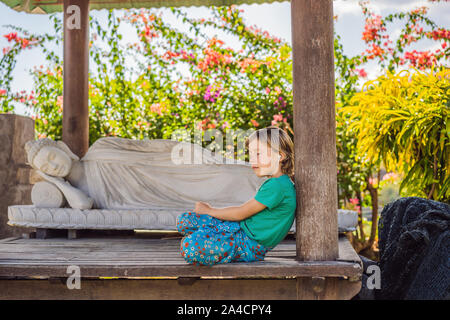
(274, 17)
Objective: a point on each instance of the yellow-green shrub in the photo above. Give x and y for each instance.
(403, 119)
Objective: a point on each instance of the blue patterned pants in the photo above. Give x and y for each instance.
(208, 241)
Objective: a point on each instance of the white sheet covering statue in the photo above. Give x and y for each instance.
(118, 173)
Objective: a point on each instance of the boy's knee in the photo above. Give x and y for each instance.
(184, 244)
(181, 221)
(188, 250)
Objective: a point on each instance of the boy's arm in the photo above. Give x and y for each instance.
(235, 213)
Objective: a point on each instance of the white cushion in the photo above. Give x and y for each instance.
(119, 219)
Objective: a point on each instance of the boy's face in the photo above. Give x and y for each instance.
(262, 159)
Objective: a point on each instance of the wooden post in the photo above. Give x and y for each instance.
(75, 130)
(314, 129)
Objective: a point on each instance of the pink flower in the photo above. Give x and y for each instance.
(277, 89)
(11, 36)
(439, 34)
(278, 117)
(267, 90)
(354, 200)
(211, 94)
(59, 101)
(420, 59)
(2, 92)
(372, 28)
(362, 73)
(6, 50)
(390, 176)
(156, 108)
(25, 43)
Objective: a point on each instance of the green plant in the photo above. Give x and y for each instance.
(403, 120)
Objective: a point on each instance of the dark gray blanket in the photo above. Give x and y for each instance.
(414, 243)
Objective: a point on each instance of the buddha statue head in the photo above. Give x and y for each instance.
(51, 157)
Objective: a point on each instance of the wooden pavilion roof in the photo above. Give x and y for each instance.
(50, 6)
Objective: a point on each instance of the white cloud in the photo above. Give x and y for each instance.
(377, 6)
(398, 5)
(343, 7)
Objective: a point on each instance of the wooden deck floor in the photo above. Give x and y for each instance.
(142, 267)
(137, 257)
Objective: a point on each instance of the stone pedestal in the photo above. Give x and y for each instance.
(15, 187)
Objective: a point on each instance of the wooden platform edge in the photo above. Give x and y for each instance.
(241, 270)
(164, 289)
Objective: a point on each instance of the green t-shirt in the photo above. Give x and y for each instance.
(269, 226)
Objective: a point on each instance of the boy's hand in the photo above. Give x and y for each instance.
(202, 207)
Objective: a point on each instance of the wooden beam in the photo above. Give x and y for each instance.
(321, 288)
(75, 131)
(314, 129)
(151, 289)
(98, 267)
(165, 289)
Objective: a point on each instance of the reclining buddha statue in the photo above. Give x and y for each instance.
(119, 173)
